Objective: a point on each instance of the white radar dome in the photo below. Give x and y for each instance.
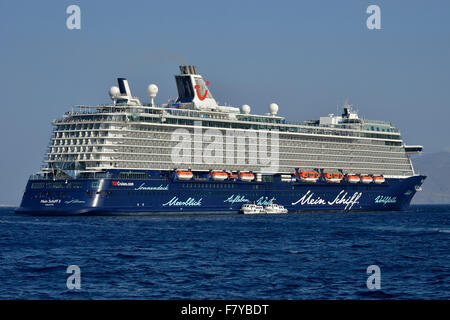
(273, 108)
(114, 92)
(245, 109)
(152, 90)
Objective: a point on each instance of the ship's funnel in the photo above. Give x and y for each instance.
(188, 70)
(193, 89)
(122, 94)
(124, 87)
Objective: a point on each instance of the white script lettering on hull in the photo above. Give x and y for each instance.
(176, 202)
(342, 198)
(144, 187)
(385, 199)
(236, 199)
(264, 201)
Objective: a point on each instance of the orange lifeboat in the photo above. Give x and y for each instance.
(245, 176)
(366, 179)
(378, 179)
(184, 175)
(309, 176)
(218, 175)
(335, 177)
(352, 178)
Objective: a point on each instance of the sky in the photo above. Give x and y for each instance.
(306, 56)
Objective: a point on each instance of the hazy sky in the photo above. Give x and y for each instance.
(307, 56)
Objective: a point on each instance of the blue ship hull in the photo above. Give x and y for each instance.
(165, 194)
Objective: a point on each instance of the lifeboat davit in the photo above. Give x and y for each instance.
(232, 176)
(309, 176)
(378, 179)
(218, 175)
(335, 177)
(352, 178)
(366, 179)
(246, 176)
(184, 175)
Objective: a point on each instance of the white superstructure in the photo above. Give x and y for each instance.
(130, 135)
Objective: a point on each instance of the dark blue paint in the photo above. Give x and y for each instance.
(208, 196)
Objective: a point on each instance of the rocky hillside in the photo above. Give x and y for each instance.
(436, 188)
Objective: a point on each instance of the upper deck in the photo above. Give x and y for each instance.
(185, 115)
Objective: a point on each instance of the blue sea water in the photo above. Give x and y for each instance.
(294, 256)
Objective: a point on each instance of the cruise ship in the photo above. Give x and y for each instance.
(193, 155)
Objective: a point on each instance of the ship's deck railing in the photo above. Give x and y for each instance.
(164, 110)
(81, 175)
(367, 121)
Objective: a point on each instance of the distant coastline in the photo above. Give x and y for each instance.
(436, 188)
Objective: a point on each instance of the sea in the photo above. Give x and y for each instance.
(316, 255)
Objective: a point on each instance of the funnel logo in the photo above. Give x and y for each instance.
(197, 89)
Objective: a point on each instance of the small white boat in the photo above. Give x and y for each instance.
(275, 208)
(251, 208)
